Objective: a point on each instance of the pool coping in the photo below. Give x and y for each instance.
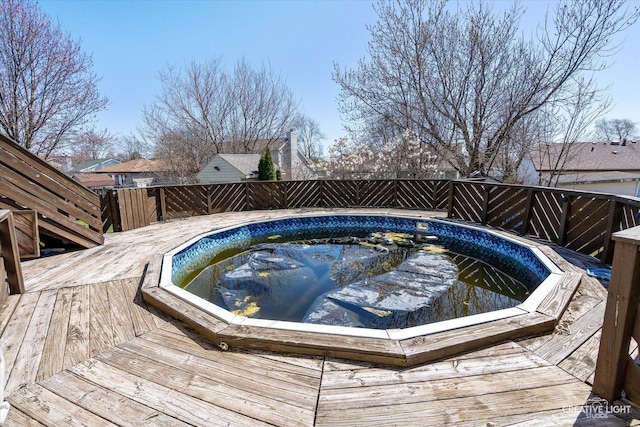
(400, 347)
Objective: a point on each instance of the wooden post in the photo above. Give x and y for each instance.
(247, 196)
(395, 193)
(209, 207)
(620, 316)
(451, 197)
(163, 204)
(566, 211)
(434, 194)
(613, 221)
(485, 204)
(9, 251)
(527, 212)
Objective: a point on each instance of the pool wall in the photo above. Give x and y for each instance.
(511, 257)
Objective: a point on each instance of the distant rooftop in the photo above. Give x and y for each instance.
(589, 157)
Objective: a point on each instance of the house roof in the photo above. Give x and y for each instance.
(589, 157)
(137, 166)
(94, 180)
(245, 163)
(94, 163)
(597, 177)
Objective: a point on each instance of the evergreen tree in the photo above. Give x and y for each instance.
(266, 168)
(278, 175)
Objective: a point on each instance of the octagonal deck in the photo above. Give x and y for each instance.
(83, 349)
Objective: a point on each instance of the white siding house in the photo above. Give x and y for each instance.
(230, 168)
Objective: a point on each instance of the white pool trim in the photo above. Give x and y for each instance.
(530, 305)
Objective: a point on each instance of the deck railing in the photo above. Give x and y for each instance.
(577, 220)
(66, 210)
(615, 370)
(10, 270)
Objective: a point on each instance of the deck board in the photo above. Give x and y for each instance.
(28, 358)
(50, 409)
(100, 328)
(107, 357)
(55, 344)
(159, 397)
(102, 402)
(77, 348)
(16, 330)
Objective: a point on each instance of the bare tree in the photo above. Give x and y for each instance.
(615, 129)
(203, 110)
(464, 81)
(93, 144)
(131, 147)
(48, 90)
(310, 137)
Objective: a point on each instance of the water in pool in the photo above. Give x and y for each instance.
(381, 281)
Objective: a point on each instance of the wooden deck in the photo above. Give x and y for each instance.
(82, 348)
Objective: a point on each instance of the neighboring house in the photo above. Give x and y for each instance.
(95, 181)
(604, 167)
(137, 173)
(88, 166)
(229, 167)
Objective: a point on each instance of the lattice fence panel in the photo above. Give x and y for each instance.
(377, 193)
(587, 225)
(228, 197)
(415, 194)
(185, 201)
(340, 194)
(266, 195)
(546, 211)
(468, 199)
(506, 208)
(304, 194)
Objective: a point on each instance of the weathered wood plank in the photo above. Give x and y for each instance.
(121, 318)
(187, 375)
(17, 328)
(141, 317)
(50, 409)
(160, 397)
(235, 371)
(28, 358)
(8, 307)
(105, 403)
(561, 345)
(435, 346)
(458, 410)
(405, 391)
(559, 297)
(56, 342)
(78, 335)
(17, 418)
(9, 253)
(582, 362)
(100, 328)
(433, 372)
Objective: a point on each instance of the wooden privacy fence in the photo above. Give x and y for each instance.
(615, 370)
(65, 209)
(577, 220)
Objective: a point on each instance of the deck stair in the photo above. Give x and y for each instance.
(65, 209)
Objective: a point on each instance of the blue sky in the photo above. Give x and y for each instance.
(131, 41)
